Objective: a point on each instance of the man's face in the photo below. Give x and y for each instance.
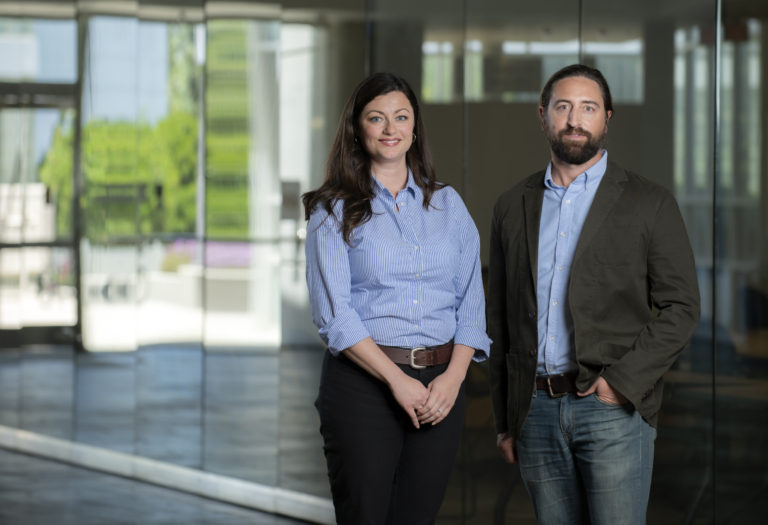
(575, 121)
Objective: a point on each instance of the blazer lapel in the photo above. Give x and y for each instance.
(607, 194)
(532, 202)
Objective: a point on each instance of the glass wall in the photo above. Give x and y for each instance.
(152, 158)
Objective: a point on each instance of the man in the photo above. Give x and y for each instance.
(592, 295)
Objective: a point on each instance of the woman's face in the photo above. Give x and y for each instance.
(386, 128)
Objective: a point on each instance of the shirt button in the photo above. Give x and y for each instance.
(554, 303)
(551, 337)
(416, 248)
(568, 201)
(562, 234)
(416, 275)
(415, 301)
(415, 327)
(560, 268)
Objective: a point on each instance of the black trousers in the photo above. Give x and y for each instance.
(381, 468)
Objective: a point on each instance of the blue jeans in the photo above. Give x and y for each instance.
(586, 461)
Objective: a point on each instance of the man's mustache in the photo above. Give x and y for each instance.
(579, 131)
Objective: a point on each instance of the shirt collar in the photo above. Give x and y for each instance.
(411, 187)
(591, 176)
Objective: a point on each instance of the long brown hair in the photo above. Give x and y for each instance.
(348, 170)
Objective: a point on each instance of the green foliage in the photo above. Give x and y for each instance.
(56, 173)
(227, 130)
(137, 179)
(140, 179)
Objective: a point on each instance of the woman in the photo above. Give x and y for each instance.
(394, 278)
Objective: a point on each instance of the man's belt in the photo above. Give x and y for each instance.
(557, 385)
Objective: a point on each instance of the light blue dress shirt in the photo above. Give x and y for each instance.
(410, 277)
(563, 213)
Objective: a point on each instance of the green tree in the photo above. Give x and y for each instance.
(56, 173)
(137, 179)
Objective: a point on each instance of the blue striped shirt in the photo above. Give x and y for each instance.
(409, 278)
(563, 213)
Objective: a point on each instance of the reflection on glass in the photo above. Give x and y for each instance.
(438, 74)
(169, 384)
(46, 390)
(35, 174)
(142, 263)
(241, 258)
(140, 166)
(105, 400)
(38, 50)
(242, 185)
(241, 416)
(35, 207)
(108, 291)
(742, 276)
(47, 296)
(113, 202)
(10, 391)
(169, 292)
(37, 287)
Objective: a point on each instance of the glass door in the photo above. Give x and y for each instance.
(37, 256)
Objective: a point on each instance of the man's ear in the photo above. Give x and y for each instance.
(542, 117)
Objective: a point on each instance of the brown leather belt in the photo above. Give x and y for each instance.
(419, 357)
(557, 385)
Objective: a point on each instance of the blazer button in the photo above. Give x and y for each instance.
(532, 352)
(531, 315)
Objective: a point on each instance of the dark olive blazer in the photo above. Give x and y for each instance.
(633, 293)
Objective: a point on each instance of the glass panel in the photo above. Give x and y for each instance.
(659, 67)
(305, 130)
(11, 273)
(48, 295)
(521, 46)
(742, 269)
(169, 323)
(46, 390)
(322, 58)
(113, 205)
(142, 261)
(10, 387)
(38, 50)
(37, 287)
(242, 314)
(106, 400)
(511, 49)
(35, 175)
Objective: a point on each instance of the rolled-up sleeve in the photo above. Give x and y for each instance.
(470, 298)
(329, 284)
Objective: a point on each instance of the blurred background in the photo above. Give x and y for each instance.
(152, 158)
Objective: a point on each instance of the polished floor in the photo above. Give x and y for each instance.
(250, 415)
(35, 491)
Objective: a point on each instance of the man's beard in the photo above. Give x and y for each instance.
(573, 153)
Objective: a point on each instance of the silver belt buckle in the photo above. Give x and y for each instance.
(411, 356)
